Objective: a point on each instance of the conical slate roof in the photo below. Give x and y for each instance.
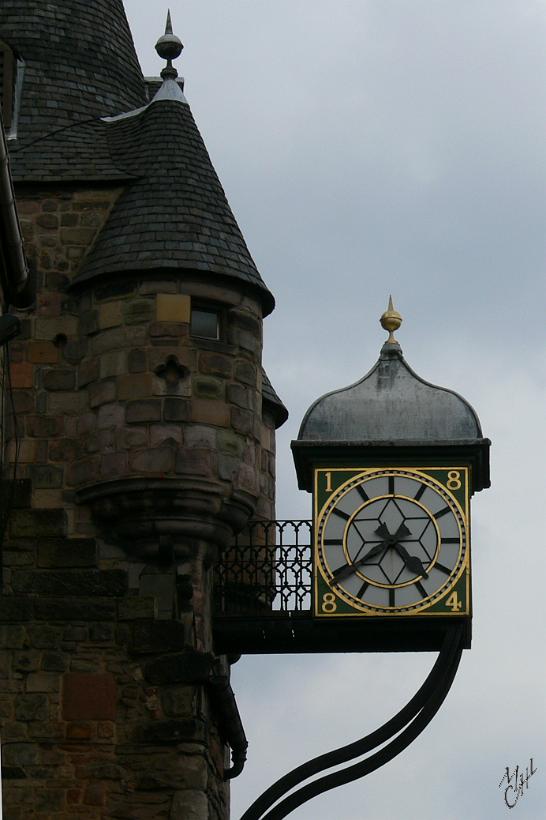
(391, 404)
(79, 64)
(85, 117)
(175, 216)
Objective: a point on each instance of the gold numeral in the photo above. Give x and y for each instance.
(454, 480)
(328, 477)
(453, 602)
(329, 604)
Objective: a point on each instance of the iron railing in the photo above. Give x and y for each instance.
(263, 602)
(266, 571)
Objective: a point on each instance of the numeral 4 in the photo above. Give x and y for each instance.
(453, 602)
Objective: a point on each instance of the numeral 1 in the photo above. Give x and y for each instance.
(328, 477)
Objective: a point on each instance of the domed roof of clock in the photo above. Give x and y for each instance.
(391, 404)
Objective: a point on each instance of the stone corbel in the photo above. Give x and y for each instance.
(145, 515)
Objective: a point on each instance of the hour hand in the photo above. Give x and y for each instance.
(382, 531)
(413, 563)
(402, 532)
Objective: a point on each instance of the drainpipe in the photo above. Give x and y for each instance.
(230, 725)
(16, 274)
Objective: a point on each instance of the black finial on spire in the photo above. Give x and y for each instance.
(169, 47)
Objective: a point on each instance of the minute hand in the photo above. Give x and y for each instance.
(348, 569)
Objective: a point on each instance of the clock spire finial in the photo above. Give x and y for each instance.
(391, 321)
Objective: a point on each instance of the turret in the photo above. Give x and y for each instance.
(144, 436)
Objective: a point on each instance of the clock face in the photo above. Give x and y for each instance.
(392, 541)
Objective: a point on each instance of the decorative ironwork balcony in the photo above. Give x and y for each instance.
(266, 571)
(263, 601)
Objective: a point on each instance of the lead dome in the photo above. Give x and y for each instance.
(391, 404)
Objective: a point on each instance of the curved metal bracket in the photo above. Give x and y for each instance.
(409, 722)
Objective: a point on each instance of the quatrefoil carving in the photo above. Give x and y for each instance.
(172, 371)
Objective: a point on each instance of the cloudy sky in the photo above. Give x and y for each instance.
(369, 147)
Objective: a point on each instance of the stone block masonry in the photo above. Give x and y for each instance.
(140, 451)
(59, 227)
(103, 708)
(89, 368)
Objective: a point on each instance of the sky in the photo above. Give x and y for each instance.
(370, 147)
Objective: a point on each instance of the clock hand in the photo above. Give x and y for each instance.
(388, 541)
(348, 569)
(401, 532)
(383, 531)
(411, 561)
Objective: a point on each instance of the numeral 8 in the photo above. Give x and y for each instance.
(454, 480)
(329, 604)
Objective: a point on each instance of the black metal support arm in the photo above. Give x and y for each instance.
(409, 723)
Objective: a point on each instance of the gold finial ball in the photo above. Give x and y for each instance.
(391, 321)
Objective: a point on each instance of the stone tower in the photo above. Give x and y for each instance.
(141, 430)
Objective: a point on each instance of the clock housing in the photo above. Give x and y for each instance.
(392, 461)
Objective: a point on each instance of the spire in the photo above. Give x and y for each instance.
(169, 47)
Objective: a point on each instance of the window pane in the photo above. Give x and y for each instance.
(204, 323)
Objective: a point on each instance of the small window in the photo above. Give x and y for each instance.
(205, 323)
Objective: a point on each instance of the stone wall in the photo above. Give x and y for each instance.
(109, 382)
(105, 709)
(139, 450)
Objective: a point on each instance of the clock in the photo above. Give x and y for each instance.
(391, 541)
